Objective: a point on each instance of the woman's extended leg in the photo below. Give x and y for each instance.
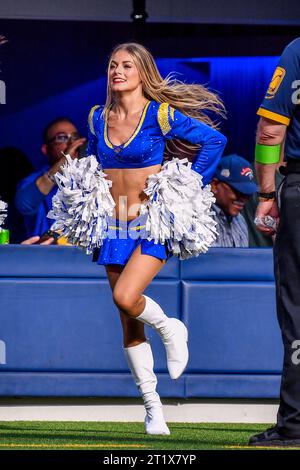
(139, 356)
(128, 296)
(133, 330)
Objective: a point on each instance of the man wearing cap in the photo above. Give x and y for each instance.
(232, 186)
(279, 126)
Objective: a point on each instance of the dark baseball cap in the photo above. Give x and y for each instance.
(237, 173)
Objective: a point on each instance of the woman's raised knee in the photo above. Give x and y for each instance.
(124, 300)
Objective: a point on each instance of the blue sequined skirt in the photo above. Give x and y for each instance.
(122, 239)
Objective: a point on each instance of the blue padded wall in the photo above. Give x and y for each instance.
(227, 327)
(60, 333)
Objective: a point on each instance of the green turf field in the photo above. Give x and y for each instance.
(72, 435)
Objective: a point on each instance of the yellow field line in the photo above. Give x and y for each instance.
(260, 447)
(72, 445)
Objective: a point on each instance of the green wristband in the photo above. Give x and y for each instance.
(267, 154)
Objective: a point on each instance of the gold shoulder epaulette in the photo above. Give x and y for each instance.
(163, 117)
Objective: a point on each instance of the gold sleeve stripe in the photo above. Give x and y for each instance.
(172, 110)
(90, 118)
(163, 118)
(105, 128)
(274, 116)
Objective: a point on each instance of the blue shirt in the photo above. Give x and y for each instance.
(145, 147)
(281, 103)
(34, 205)
(232, 231)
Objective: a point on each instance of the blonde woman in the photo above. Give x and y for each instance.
(128, 135)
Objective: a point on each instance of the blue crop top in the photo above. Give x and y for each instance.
(158, 123)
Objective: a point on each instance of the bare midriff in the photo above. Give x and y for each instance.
(127, 189)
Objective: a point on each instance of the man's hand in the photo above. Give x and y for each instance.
(72, 150)
(45, 183)
(267, 208)
(34, 240)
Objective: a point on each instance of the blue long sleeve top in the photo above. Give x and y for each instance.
(159, 122)
(33, 204)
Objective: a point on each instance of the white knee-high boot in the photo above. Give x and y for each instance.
(140, 361)
(173, 333)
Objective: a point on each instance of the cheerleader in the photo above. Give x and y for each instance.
(150, 210)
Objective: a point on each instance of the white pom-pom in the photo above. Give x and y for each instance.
(179, 209)
(3, 212)
(82, 203)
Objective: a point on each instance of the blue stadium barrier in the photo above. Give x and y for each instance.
(60, 333)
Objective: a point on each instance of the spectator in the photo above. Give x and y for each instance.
(34, 193)
(232, 186)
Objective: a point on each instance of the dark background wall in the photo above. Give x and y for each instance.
(57, 66)
(171, 11)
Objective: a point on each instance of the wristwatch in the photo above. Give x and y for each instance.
(262, 197)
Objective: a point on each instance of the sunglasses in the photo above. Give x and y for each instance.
(63, 138)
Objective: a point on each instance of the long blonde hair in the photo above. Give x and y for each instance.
(193, 100)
